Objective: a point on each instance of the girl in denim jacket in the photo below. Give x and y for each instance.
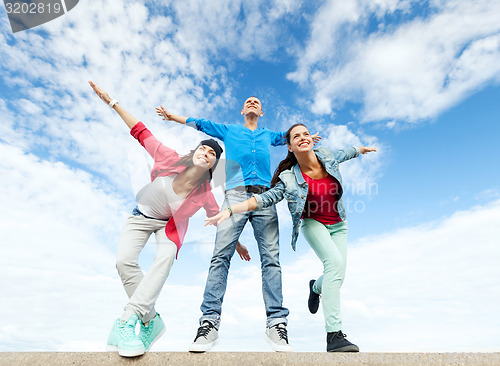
(180, 186)
(310, 180)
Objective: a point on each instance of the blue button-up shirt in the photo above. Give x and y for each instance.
(248, 153)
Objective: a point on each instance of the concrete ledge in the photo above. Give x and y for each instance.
(246, 359)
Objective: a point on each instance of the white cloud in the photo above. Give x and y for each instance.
(105, 42)
(59, 228)
(408, 72)
(141, 57)
(241, 29)
(359, 175)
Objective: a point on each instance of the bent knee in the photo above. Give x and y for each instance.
(124, 264)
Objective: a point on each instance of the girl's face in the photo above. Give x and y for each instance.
(204, 157)
(300, 140)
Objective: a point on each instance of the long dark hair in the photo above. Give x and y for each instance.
(290, 159)
(187, 160)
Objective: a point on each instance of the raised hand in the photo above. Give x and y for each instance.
(100, 93)
(316, 137)
(162, 112)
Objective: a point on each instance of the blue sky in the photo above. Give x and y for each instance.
(418, 80)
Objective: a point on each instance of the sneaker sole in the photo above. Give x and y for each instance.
(156, 338)
(131, 353)
(199, 348)
(277, 347)
(351, 348)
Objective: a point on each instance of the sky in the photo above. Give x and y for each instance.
(418, 80)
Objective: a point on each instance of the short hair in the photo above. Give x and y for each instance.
(253, 96)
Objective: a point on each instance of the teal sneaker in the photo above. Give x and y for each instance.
(129, 344)
(149, 334)
(114, 337)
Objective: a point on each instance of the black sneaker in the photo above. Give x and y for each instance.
(336, 342)
(313, 301)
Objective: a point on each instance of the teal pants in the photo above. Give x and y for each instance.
(329, 242)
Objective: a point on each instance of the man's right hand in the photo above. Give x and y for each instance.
(162, 112)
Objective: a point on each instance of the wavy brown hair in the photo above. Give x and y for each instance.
(290, 159)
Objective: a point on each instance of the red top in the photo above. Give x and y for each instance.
(322, 199)
(165, 160)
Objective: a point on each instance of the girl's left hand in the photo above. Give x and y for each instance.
(316, 137)
(364, 149)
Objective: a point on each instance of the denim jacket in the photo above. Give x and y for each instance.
(294, 188)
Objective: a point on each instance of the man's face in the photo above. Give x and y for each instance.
(252, 106)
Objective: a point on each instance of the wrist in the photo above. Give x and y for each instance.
(230, 211)
(112, 103)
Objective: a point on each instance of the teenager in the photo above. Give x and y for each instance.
(310, 180)
(248, 171)
(180, 186)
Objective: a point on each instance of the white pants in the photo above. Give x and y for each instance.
(143, 290)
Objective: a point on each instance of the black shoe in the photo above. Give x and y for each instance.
(313, 301)
(336, 342)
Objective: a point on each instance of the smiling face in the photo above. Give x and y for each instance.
(204, 157)
(252, 106)
(300, 140)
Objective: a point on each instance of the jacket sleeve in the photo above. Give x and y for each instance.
(270, 197)
(342, 155)
(213, 129)
(211, 207)
(155, 148)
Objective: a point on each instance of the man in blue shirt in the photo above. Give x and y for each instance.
(248, 171)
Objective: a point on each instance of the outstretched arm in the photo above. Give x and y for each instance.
(248, 205)
(213, 129)
(162, 112)
(342, 155)
(129, 120)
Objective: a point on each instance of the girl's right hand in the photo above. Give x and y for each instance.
(219, 218)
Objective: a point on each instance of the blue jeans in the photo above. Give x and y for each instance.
(265, 228)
